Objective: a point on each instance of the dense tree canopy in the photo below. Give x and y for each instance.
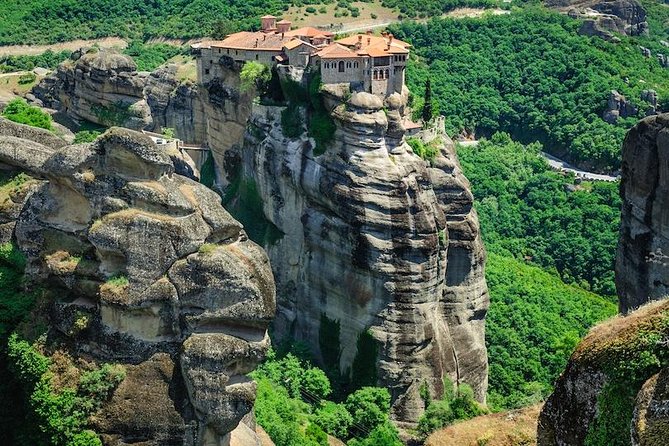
(48, 21)
(529, 212)
(530, 74)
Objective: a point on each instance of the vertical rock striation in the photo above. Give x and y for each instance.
(377, 241)
(642, 262)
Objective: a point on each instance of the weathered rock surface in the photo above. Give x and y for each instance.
(618, 107)
(175, 104)
(650, 425)
(594, 396)
(377, 240)
(642, 272)
(147, 270)
(101, 86)
(605, 18)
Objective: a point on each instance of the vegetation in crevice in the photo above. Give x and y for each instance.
(243, 201)
(364, 368)
(115, 114)
(208, 171)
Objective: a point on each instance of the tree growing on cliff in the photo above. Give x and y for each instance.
(254, 75)
(427, 103)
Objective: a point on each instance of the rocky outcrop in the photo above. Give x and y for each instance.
(650, 425)
(610, 389)
(618, 107)
(605, 18)
(641, 263)
(379, 265)
(100, 86)
(175, 104)
(145, 269)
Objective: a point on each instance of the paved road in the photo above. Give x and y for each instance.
(564, 166)
(560, 165)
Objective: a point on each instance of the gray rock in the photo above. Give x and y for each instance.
(641, 263)
(377, 240)
(189, 315)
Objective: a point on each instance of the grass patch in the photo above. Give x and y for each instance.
(19, 111)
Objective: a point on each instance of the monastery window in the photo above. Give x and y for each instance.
(341, 66)
(211, 62)
(348, 64)
(355, 64)
(256, 57)
(206, 71)
(376, 75)
(387, 74)
(228, 50)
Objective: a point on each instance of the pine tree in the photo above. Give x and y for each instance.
(427, 104)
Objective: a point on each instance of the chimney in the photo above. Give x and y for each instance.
(369, 41)
(359, 44)
(369, 32)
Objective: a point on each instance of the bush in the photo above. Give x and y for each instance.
(428, 152)
(85, 136)
(456, 404)
(27, 78)
(19, 111)
(334, 419)
(369, 407)
(254, 75)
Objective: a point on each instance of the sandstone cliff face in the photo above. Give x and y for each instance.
(101, 86)
(642, 273)
(176, 104)
(375, 240)
(145, 268)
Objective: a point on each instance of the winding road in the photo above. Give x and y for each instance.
(560, 165)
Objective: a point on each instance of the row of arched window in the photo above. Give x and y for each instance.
(380, 75)
(341, 65)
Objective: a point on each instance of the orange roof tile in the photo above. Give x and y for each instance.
(258, 41)
(374, 41)
(295, 43)
(284, 22)
(309, 31)
(336, 50)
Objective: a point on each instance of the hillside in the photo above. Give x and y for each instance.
(532, 75)
(49, 21)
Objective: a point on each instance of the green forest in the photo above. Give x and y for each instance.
(549, 241)
(530, 74)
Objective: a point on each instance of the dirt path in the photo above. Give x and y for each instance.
(23, 50)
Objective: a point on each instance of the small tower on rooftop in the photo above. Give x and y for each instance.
(268, 23)
(283, 26)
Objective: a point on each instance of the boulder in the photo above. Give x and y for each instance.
(170, 286)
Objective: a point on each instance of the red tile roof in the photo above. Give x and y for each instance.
(309, 31)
